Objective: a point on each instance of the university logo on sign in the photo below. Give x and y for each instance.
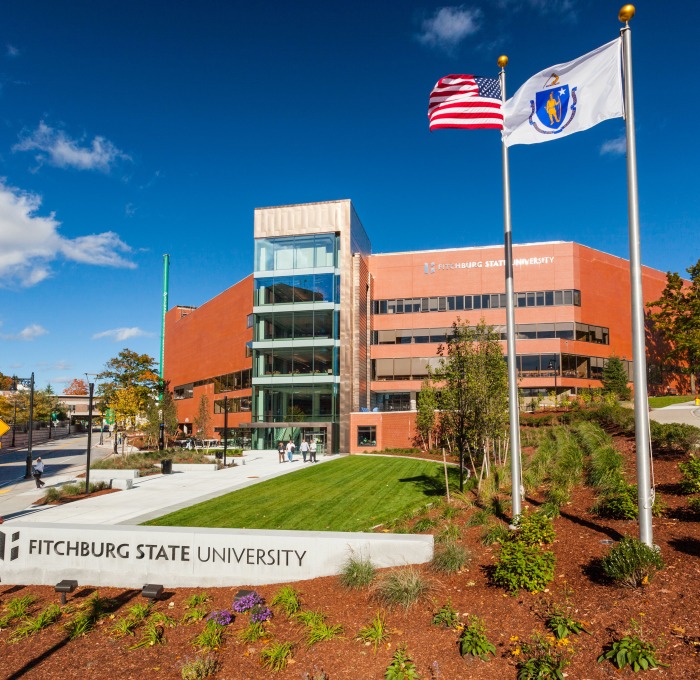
(14, 550)
(429, 268)
(551, 106)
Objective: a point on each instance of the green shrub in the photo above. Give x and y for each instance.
(357, 573)
(533, 528)
(631, 651)
(200, 668)
(320, 631)
(557, 619)
(211, 636)
(674, 436)
(694, 504)
(446, 616)
(690, 471)
(620, 505)
(449, 558)
(401, 666)
(473, 641)
(540, 660)
(402, 587)
(631, 563)
(522, 566)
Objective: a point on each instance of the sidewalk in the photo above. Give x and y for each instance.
(157, 495)
(687, 413)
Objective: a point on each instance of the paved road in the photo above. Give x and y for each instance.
(63, 459)
(686, 412)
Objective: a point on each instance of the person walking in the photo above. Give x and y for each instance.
(304, 448)
(290, 451)
(280, 451)
(312, 450)
(37, 471)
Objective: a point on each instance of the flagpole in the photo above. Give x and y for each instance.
(641, 403)
(513, 410)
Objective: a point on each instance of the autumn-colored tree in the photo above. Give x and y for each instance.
(676, 315)
(128, 371)
(77, 387)
(6, 382)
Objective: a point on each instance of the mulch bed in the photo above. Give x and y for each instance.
(668, 610)
(77, 497)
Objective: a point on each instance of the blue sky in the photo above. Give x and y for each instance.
(132, 129)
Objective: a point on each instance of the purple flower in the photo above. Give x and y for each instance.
(223, 618)
(247, 602)
(259, 614)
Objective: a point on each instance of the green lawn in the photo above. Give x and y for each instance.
(350, 494)
(660, 402)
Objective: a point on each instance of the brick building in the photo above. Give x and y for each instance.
(326, 339)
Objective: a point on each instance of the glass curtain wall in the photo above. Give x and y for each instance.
(296, 334)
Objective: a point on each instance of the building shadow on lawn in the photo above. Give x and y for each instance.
(687, 545)
(116, 603)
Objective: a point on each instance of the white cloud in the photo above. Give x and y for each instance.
(121, 334)
(29, 242)
(55, 147)
(27, 334)
(540, 6)
(614, 147)
(449, 26)
(12, 51)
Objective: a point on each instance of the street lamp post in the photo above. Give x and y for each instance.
(225, 428)
(89, 441)
(24, 381)
(14, 422)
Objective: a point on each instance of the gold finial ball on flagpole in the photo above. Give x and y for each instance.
(502, 61)
(626, 13)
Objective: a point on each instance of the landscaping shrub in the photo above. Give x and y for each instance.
(357, 573)
(200, 668)
(541, 660)
(401, 666)
(31, 625)
(449, 558)
(402, 587)
(631, 651)
(287, 599)
(631, 563)
(495, 532)
(276, 655)
(522, 566)
(446, 616)
(694, 504)
(690, 471)
(473, 640)
(620, 505)
(674, 436)
(533, 528)
(15, 609)
(448, 534)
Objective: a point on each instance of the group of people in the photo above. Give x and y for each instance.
(307, 448)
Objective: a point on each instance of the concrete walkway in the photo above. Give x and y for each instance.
(157, 495)
(687, 413)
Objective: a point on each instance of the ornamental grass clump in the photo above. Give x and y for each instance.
(277, 655)
(374, 633)
(402, 587)
(631, 563)
(287, 599)
(449, 558)
(200, 668)
(357, 573)
(16, 608)
(32, 625)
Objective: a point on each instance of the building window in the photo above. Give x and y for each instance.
(542, 298)
(184, 391)
(366, 435)
(249, 321)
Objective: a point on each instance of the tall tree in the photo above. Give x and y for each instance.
(77, 387)
(6, 382)
(427, 404)
(164, 411)
(128, 371)
(203, 419)
(676, 314)
(615, 378)
(472, 377)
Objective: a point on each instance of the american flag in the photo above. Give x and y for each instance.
(459, 101)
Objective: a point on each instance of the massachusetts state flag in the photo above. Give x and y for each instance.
(459, 101)
(566, 98)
